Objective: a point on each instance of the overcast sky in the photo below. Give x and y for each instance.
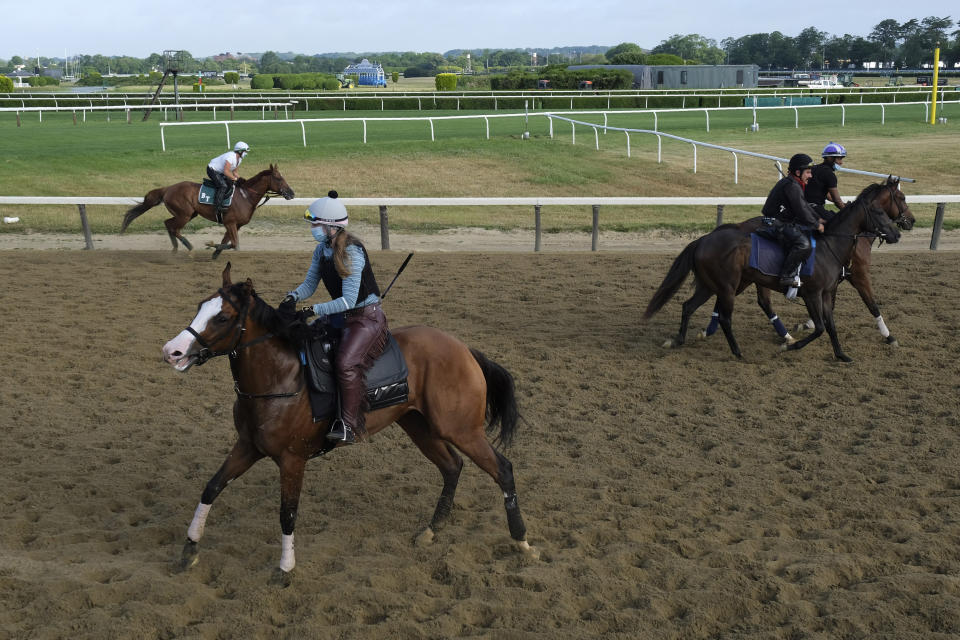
(135, 28)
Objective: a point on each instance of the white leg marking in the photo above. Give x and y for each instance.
(526, 549)
(882, 327)
(287, 559)
(425, 538)
(195, 532)
(809, 324)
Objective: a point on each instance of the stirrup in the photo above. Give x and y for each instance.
(340, 432)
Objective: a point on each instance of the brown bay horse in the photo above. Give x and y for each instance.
(453, 391)
(858, 273)
(182, 201)
(720, 262)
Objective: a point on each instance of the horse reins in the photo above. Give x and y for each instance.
(206, 352)
(875, 232)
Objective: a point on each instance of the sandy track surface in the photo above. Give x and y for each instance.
(673, 493)
(470, 239)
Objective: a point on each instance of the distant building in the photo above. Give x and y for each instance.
(368, 74)
(690, 76)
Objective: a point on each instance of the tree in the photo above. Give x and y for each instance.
(623, 47)
(692, 47)
(629, 57)
(809, 47)
(886, 35)
(6, 84)
(664, 58)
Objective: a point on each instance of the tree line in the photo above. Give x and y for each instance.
(891, 43)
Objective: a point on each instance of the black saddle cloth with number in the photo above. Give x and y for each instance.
(386, 380)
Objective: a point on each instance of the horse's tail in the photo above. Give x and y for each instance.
(150, 200)
(501, 398)
(674, 278)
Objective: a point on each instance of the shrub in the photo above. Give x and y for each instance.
(6, 84)
(446, 81)
(261, 81)
(231, 77)
(418, 72)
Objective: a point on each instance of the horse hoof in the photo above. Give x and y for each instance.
(785, 346)
(527, 550)
(844, 357)
(890, 340)
(703, 334)
(281, 578)
(788, 339)
(190, 555)
(668, 344)
(425, 538)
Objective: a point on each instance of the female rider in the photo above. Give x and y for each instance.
(341, 262)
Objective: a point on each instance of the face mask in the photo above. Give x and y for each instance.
(318, 234)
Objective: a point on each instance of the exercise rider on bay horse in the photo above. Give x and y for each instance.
(222, 170)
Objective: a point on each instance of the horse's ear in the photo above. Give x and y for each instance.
(226, 276)
(248, 286)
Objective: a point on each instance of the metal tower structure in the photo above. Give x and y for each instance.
(173, 60)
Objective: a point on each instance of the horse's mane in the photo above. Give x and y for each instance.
(243, 182)
(865, 199)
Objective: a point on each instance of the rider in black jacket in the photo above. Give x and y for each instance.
(794, 218)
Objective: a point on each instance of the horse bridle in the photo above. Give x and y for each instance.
(206, 351)
(901, 219)
(240, 319)
(269, 193)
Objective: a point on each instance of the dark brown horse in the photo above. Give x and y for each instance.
(858, 273)
(720, 262)
(182, 201)
(453, 391)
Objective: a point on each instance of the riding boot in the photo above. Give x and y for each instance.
(351, 426)
(790, 271)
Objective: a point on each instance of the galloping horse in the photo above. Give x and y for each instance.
(720, 262)
(453, 390)
(859, 273)
(182, 201)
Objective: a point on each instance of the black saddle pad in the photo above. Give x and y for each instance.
(386, 380)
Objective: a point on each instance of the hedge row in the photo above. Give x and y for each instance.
(564, 79)
(294, 81)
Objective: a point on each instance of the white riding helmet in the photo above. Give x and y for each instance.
(329, 211)
(241, 147)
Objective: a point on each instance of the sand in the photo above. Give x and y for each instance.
(673, 493)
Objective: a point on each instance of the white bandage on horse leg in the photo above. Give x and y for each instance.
(882, 327)
(195, 532)
(287, 559)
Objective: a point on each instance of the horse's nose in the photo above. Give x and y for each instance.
(170, 354)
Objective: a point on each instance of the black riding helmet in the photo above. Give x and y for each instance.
(799, 162)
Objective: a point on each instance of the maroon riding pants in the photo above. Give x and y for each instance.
(364, 338)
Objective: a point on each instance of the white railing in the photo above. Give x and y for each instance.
(536, 202)
(695, 143)
(183, 106)
(550, 115)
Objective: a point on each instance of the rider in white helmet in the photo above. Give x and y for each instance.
(823, 182)
(223, 171)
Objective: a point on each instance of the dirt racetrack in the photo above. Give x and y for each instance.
(672, 493)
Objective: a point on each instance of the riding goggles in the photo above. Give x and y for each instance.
(339, 222)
